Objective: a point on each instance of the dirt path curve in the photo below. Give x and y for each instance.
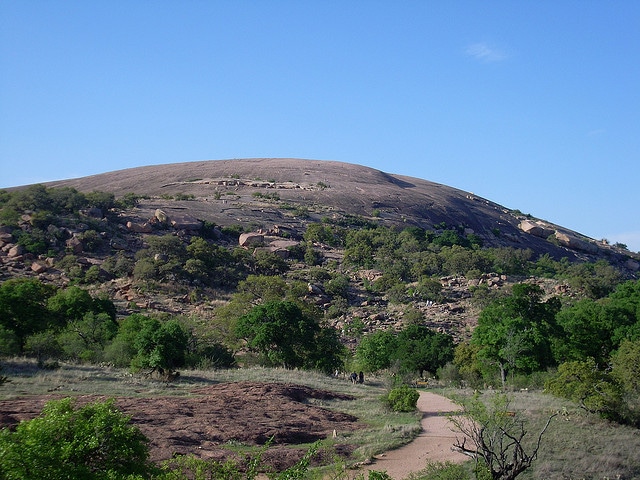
(432, 445)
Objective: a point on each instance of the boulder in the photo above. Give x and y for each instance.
(575, 243)
(251, 239)
(139, 228)
(161, 216)
(535, 228)
(75, 245)
(15, 251)
(37, 267)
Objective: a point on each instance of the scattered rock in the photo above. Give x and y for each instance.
(75, 245)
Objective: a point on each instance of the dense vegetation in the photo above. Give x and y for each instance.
(586, 347)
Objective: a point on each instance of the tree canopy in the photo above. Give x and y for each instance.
(286, 336)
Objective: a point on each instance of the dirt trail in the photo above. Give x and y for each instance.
(432, 445)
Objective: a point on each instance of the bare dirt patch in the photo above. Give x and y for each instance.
(218, 421)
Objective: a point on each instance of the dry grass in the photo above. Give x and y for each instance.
(577, 445)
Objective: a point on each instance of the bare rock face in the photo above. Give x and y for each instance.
(186, 222)
(202, 423)
(299, 192)
(632, 265)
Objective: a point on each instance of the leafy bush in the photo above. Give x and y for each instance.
(591, 387)
(95, 441)
(444, 471)
(403, 399)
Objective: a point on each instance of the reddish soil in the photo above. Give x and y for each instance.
(212, 420)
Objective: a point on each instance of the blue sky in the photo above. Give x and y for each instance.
(532, 104)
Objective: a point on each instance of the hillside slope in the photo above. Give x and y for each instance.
(265, 192)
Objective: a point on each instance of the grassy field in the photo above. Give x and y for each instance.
(576, 446)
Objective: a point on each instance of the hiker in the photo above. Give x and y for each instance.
(361, 378)
(354, 378)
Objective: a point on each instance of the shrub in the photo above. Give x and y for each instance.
(403, 399)
(444, 471)
(91, 442)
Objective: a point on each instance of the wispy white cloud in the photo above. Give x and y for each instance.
(597, 132)
(486, 53)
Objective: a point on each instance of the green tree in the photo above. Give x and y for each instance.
(23, 307)
(324, 233)
(281, 333)
(70, 304)
(587, 333)
(376, 350)
(102, 200)
(163, 259)
(9, 342)
(465, 359)
(269, 263)
(161, 346)
(95, 441)
(595, 328)
(122, 349)
(421, 349)
(210, 264)
(596, 280)
(625, 370)
(85, 339)
(516, 333)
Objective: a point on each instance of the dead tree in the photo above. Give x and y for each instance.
(494, 436)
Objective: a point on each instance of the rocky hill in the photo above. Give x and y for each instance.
(273, 201)
(292, 192)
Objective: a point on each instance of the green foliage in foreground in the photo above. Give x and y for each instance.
(91, 442)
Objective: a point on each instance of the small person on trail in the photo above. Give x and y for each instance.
(354, 378)
(361, 378)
